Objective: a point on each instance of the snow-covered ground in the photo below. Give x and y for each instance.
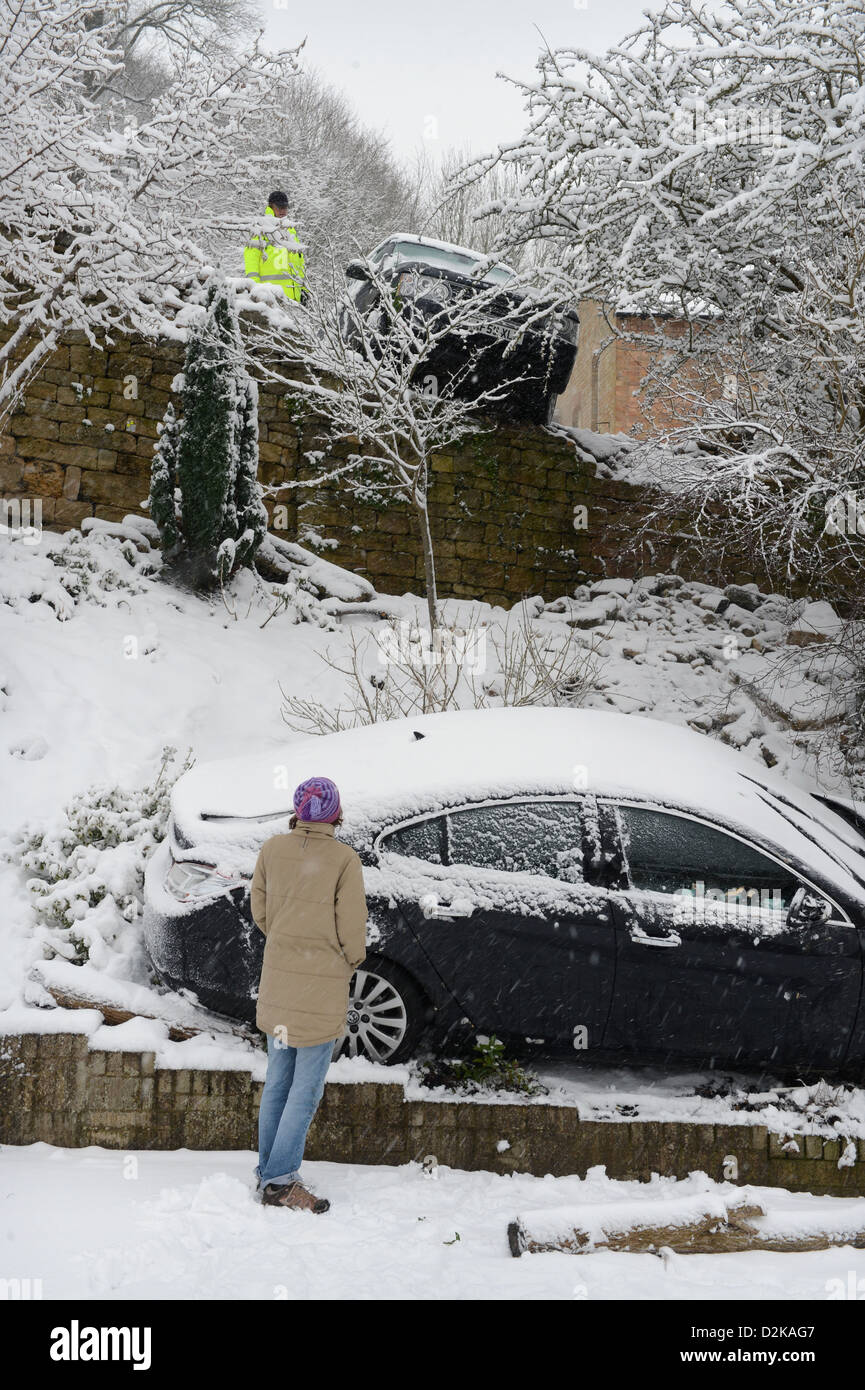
(182, 1225)
(102, 665)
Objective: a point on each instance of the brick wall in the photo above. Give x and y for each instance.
(604, 392)
(55, 1090)
(502, 505)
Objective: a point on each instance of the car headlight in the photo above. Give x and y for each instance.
(186, 880)
(414, 286)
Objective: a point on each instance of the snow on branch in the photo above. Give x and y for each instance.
(99, 228)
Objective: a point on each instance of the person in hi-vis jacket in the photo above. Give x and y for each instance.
(271, 264)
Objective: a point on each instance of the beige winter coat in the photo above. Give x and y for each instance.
(308, 899)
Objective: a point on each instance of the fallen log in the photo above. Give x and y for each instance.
(114, 1014)
(703, 1225)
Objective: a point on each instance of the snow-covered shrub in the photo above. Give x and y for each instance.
(86, 876)
(400, 670)
(204, 492)
(110, 560)
(488, 1069)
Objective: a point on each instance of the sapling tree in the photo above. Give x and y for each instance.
(392, 384)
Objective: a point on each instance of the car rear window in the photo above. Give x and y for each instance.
(420, 840)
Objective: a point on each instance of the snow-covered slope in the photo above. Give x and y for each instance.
(103, 664)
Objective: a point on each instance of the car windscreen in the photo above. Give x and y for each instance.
(456, 261)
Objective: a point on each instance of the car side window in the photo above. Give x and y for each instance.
(668, 853)
(537, 837)
(380, 256)
(423, 839)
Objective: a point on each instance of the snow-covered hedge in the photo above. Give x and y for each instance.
(86, 876)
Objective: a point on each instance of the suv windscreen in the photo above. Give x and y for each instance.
(449, 260)
(668, 853)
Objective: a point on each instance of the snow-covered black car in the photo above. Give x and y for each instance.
(585, 879)
(516, 338)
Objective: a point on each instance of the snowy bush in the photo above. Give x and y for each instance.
(488, 1069)
(86, 877)
(400, 670)
(204, 493)
(107, 562)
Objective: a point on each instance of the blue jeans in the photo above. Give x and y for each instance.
(293, 1087)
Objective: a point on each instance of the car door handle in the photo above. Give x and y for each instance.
(641, 938)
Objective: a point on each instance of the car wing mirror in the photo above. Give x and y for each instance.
(431, 906)
(807, 909)
(357, 270)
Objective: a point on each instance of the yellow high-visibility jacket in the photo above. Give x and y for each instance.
(278, 265)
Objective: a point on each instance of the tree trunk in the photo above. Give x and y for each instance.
(429, 564)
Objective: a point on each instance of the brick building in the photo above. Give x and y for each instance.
(604, 393)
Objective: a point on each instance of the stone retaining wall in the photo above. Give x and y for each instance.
(502, 505)
(55, 1089)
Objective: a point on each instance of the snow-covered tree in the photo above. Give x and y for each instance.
(211, 456)
(151, 35)
(376, 383)
(163, 482)
(710, 168)
(101, 215)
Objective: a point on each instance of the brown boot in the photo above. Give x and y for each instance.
(295, 1195)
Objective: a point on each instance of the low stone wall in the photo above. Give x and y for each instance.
(502, 506)
(55, 1089)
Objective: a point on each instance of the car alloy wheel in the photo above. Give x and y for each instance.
(377, 1019)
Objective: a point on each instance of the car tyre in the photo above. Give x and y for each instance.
(387, 1014)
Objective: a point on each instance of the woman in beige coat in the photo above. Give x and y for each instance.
(308, 899)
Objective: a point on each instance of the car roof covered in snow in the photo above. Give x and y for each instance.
(433, 244)
(391, 771)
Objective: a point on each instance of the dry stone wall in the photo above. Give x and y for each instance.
(54, 1089)
(503, 505)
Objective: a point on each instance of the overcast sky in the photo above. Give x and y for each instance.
(424, 71)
